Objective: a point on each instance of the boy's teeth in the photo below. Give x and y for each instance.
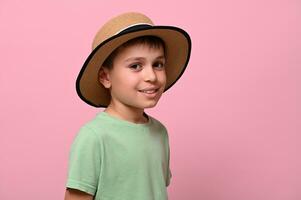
(148, 91)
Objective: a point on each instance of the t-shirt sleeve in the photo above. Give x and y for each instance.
(84, 162)
(169, 178)
(169, 174)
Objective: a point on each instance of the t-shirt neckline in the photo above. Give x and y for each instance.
(117, 120)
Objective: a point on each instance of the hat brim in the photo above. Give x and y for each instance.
(177, 49)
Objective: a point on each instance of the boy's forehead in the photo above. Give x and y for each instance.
(142, 58)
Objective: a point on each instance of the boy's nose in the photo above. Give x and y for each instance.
(150, 74)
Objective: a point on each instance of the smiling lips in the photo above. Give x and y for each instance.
(149, 91)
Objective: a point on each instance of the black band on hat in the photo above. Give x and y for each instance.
(135, 28)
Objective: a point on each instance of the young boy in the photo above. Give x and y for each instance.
(123, 153)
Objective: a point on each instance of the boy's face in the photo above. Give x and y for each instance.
(135, 68)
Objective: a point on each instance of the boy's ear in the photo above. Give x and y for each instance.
(104, 77)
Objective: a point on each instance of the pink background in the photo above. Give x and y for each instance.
(233, 118)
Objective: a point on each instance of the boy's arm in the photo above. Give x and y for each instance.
(73, 194)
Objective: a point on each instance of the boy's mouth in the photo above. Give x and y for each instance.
(149, 91)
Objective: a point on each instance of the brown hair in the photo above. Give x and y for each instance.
(151, 41)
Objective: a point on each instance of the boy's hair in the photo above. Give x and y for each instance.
(151, 41)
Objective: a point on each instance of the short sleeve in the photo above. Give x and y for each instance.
(84, 162)
(169, 174)
(169, 177)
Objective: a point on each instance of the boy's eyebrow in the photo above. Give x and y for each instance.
(142, 58)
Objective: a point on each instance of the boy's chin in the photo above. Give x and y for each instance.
(144, 105)
(150, 105)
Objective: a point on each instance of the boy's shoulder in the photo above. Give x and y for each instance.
(158, 122)
(94, 124)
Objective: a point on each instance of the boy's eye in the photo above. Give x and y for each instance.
(159, 64)
(138, 66)
(135, 66)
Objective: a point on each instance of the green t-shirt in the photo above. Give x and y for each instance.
(114, 159)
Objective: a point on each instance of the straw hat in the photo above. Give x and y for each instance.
(119, 30)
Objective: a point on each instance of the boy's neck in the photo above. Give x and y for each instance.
(132, 115)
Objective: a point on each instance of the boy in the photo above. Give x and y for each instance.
(123, 153)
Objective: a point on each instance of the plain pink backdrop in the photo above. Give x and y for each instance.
(233, 118)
